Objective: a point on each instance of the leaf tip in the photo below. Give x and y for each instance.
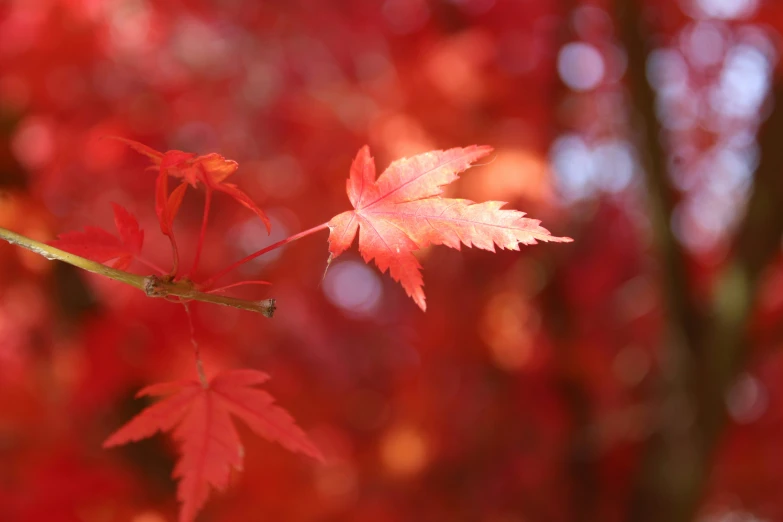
(151, 153)
(480, 151)
(419, 299)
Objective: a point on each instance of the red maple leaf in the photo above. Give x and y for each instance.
(99, 245)
(210, 170)
(403, 211)
(200, 417)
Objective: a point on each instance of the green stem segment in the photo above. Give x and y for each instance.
(153, 286)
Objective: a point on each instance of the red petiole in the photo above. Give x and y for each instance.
(264, 250)
(203, 232)
(150, 264)
(232, 285)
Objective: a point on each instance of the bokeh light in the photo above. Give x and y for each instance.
(581, 66)
(404, 451)
(353, 287)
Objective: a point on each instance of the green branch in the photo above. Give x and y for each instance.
(152, 286)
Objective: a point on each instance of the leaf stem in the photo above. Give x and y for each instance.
(150, 264)
(175, 255)
(264, 250)
(153, 285)
(202, 234)
(202, 377)
(240, 283)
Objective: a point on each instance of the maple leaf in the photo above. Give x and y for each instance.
(200, 417)
(99, 245)
(403, 211)
(209, 170)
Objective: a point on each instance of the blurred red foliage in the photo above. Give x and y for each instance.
(552, 384)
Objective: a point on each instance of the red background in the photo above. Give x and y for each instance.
(614, 378)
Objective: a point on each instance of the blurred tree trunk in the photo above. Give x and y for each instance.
(705, 345)
(581, 462)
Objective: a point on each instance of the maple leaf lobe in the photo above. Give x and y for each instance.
(101, 246)
(151, 153)
(424, 175)
(128, 227)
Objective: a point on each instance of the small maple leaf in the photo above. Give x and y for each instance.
(403, 211)
(210, 170)
(99, 245)
(200, 417)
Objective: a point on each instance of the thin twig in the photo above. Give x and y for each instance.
(152, 285)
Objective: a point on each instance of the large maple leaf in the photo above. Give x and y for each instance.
(403, 211)
(200, 417)
(99, 245)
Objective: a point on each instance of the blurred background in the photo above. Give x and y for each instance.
(633, 375)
